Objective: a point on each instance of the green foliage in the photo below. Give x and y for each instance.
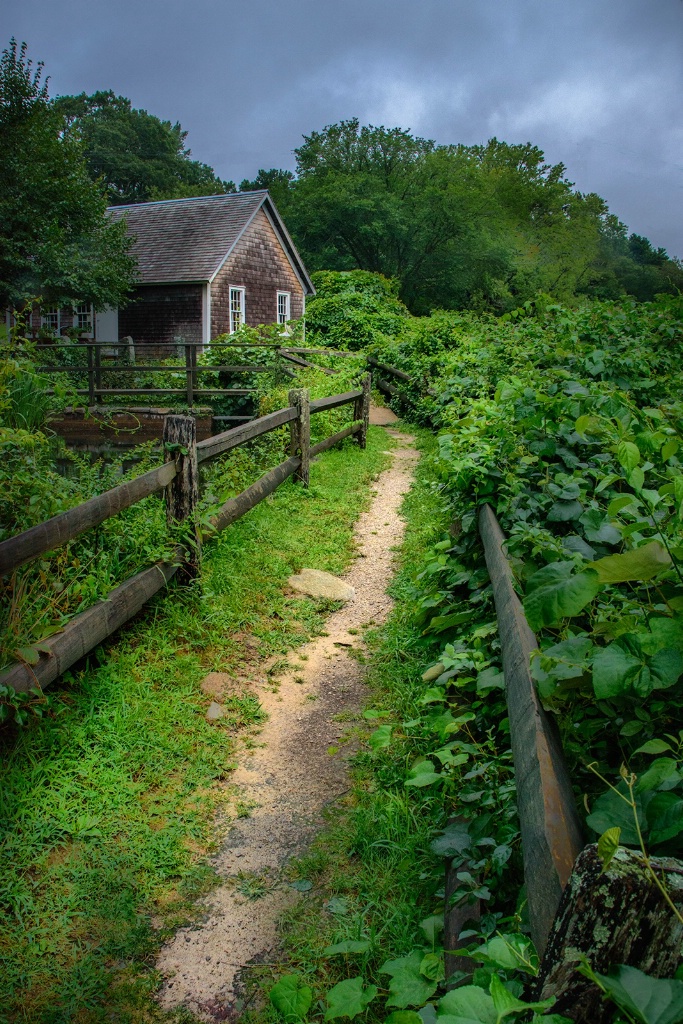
(55, 239)
(479, 227)
(137, 156)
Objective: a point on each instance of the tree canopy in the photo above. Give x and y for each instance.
(55, 238)
(136, 155)
(484, 227)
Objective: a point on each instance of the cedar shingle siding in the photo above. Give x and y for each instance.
(258, 264)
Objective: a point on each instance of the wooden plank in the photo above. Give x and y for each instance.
(235, 508)
(320, 404)
(305, 362)
(613, 916)
(163, 391)
(387, 388)
(236, 436)
(85, 631)
(361, 411)
(392, 370)
(333, 439)
(64, 527)
(551, 830)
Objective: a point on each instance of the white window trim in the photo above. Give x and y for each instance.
(90, 326)
(44, 322)
(288, 306)
(243, 303)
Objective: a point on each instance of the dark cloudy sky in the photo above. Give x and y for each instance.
(597, 84)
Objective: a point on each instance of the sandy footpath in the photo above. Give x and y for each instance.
(290, 775)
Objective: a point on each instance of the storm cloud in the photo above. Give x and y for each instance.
(597, 84)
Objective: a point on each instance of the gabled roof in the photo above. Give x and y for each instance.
(189, 240)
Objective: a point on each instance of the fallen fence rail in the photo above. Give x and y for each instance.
(179, 477)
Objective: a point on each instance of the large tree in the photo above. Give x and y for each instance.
(55, 238)
(138, 156)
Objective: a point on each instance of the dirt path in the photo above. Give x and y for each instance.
(291, 774)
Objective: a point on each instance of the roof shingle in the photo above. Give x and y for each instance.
(189, 239)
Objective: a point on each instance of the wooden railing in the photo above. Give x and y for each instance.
(99, 364)
(179, 477)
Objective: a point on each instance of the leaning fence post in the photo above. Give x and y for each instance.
(182, 494)
(361, 410)
(300, 432)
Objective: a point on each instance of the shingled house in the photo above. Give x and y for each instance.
(205, 266)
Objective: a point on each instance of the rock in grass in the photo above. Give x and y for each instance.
(214, 711)
(316, 583)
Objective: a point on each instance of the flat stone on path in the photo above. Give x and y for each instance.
(214, 711)
(316, 583)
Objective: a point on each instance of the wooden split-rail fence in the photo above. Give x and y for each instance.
(575, 907)
(103, 358)
(179, 478)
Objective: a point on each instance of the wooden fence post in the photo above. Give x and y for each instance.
(91, 377)
(98, 372)
(361, 411)
(189, 375)
(182, 494)
(300, 432)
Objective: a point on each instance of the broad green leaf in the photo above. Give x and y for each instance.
(381, 737)
(432, 927)
(29, 655)
(506, 1004)
(291, 997)
(669, 448)
(639, 564)
(608, 844)
(628, 455)
(432, 967)
(598, 529)
(563, 511)
(349, 998)
(423, 774)
(610, 811)
(653, 747)
(469, 1003)
(649, 1000)
(347, 946)
(408, 987)
(614, 670)
(666, 668)
(589, 425)
(511, 952)
(432, 673)
(661, 768)
(454, 840)
(623, 501)
(665, 816)
(636, 479)
(553, 593)
(490, 678)
(403, 1017)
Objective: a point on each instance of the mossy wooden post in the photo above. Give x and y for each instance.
(612, 916)
(300, 432)
(182, 494)
(361, 411)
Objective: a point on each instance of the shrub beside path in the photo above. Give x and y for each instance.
(298, 765)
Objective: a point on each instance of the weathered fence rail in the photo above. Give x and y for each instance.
(179, 478)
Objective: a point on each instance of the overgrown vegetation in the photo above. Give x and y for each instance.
(569, 423)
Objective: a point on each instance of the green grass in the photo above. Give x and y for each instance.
(374, 876)
(107, 803)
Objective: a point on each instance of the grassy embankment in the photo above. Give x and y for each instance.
(108, 802)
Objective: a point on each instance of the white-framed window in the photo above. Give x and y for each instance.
(51, 318)
(283, 300)
(83, 317)
(237, 308)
